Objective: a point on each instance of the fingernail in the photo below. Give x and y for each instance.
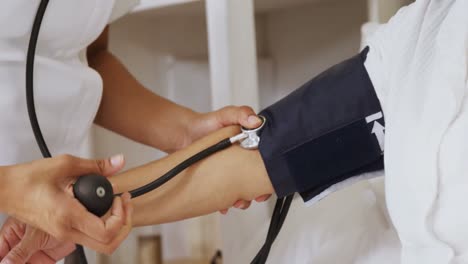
(116, 160)
(239, 205)
(262, 198)
(254, 120)
(126, 197)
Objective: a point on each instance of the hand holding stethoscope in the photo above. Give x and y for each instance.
(38, 198)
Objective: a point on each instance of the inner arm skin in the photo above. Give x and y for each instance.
(210, 185)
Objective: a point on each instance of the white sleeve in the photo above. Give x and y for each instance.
(121, 8)
(418, 65)
(381, 39)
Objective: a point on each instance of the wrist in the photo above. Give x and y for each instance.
(188, 128)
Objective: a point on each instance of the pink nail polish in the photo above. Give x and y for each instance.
(239, 205)
(116, 160)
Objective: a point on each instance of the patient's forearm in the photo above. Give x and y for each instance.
(210, 185)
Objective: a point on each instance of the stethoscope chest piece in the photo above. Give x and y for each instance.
(252, 141)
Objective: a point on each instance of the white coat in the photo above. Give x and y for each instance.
(67, 91)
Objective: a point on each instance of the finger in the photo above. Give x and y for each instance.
(104, 167)
(9, 236)
(246, 205)
(3, 248)
(244, 115)
(104, 231)
(241, 204)
(95, 245)
(116, 220)
(106, 248)
(122, 209)
(224, 211)
(127, 204)
(18, 254)
(78, 167)
(58, 253)
(40, 258)
(95, 227)
(263, 198)
(7, 242)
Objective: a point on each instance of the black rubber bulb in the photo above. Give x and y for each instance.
(95, 193)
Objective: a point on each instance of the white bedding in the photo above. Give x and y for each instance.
(349, 226)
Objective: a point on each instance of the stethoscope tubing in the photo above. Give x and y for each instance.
(223, 144)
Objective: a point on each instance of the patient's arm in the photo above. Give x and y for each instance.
(206, 187)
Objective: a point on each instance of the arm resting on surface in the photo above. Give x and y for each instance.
(210, 185)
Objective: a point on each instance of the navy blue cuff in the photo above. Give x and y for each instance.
(321, 132)
(276, 165)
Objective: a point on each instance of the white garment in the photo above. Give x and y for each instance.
(121, 8)
(418, 65)
(67, 92)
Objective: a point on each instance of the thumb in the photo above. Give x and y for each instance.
(105, 167)
(110, 166)
(18, 255)
(243, 115)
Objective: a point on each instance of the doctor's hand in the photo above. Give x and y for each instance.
(204, 124)
(40, 194)
(20, 243)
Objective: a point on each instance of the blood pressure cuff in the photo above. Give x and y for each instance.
(326, 132)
